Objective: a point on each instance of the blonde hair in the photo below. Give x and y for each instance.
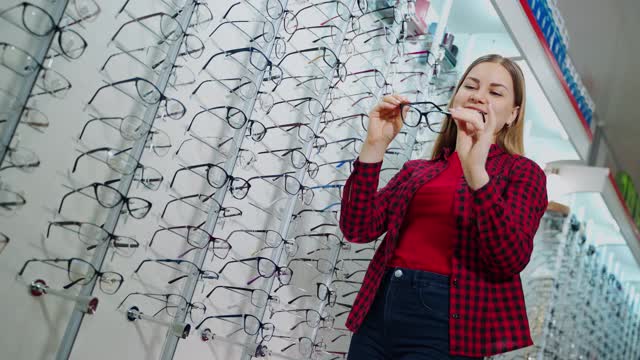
(510, 138)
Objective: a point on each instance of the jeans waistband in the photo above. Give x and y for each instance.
(399, 275)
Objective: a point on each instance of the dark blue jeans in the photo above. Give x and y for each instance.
(408, 320)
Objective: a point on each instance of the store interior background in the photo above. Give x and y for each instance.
(570, 254)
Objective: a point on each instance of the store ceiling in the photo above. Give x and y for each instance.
(485, 19)
(605, 49)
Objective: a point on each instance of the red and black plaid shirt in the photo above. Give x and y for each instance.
(493, 244)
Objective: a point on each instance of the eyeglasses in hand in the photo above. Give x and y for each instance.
(433, 115)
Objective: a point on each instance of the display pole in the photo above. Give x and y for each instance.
(13, 119)
(171, 341)
(73, 327)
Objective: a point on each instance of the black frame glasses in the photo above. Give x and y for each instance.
(38, 22)
(328, 56)
(31, 117)
(93, 235)
(149, 93)
(109, 197)
(417, 114)
(4, 241)
(306, 346)
(344, 119)
(117, 160)
(10, 201)
(251, 324)
(258, 60)
(197, 238)
(305, 133)
(311, 317)
(82, 272)
(198, 18)
(291, 185)
(323, 293)
(300, 101)
(298, 159)
(224, 212)
(217, 177)
(291, 22)
(131, 127)
(266, 269)
(172, 303)
(259, 297)
(20, 158)
(234, 117)
(267, 34)
(17, 60)
(203, 274)
(323, 266)
(169, 26)
(271, 238)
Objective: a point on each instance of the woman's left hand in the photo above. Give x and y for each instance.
(473, 142)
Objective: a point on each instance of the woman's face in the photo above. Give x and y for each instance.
(486, 83)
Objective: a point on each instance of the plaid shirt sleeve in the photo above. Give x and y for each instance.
(508, 221)
(363, 212)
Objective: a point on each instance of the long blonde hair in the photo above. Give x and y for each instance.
(510, 138)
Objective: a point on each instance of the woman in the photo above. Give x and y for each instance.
(444, 283)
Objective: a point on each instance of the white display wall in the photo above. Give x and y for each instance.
(264, 85)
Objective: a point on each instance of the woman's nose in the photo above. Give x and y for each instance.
(478, 98)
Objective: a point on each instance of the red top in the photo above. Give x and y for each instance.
(429, 228)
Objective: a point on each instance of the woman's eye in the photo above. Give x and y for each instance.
(468, 87)
(496, 93)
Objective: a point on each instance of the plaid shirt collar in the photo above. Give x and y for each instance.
(493, 151)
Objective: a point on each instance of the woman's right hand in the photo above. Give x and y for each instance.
(385, 122)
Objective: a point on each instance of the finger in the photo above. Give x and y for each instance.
(383, 106)
(469, 129)
(389, 105)
(490, 117)
(405, 110)
(400, 98)
(472, 117)
(389, 114)
(391, 99)
(462, 125)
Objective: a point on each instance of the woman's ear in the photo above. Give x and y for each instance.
(514, 115)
